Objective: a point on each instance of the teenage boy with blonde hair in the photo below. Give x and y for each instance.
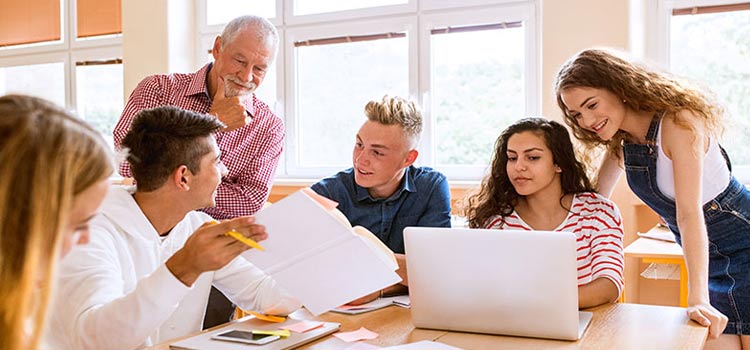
(384, 191)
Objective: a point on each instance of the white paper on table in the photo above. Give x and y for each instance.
(424, 344)
(377, 304)
(660, 233)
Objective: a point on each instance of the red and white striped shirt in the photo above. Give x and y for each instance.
(597, 224)
(250, 153)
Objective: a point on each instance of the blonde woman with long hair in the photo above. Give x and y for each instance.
(53, 170)
(664, 133)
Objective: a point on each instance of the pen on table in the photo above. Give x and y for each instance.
(240, 237)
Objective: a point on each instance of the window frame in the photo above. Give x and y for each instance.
(453, 4)
(67, 50)
(658, 47)
(89, 54)
(400, 24)
(62, 44)
(31, 59)
(532, 84)
(412, 18)
(361, 13)
(201, 16)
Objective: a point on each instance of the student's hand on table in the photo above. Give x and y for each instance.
(229, 110)
(708, 316)
(209, 248)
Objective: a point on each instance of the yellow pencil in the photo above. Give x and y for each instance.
(269, 318)
(240, 237)
(280, 332)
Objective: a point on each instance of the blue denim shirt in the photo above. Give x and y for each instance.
(422, 199)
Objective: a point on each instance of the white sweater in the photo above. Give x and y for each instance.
(116, 293)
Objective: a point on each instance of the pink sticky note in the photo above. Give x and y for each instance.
(362, 346)
(361, 334)
(303, 326)
(325, 202)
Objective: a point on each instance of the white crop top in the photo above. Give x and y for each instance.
(715, 177)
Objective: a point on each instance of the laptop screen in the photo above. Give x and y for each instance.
(493, 281)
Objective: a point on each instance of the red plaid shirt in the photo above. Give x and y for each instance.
(251, 153)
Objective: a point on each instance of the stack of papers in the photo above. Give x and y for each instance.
(661, 233)
(401, 300)
(662, 272)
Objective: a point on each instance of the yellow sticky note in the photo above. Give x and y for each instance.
(269, 318)
(240, 237)
(280, 332)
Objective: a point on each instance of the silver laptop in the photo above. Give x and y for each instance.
(519, 283)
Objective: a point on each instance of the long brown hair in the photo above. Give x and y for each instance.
(642, 88)
(47, 157)
(497, 196)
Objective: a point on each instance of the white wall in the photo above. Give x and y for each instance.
(157, 37)
(572, 25)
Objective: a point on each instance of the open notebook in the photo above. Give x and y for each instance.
(314, 253)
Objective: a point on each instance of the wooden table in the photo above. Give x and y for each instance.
(614, 326)
(661, 252)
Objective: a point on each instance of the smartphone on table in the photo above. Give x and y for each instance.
(246, 337)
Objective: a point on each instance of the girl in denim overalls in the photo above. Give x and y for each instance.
(666, 133)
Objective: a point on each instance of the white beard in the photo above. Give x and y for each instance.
(231, 90)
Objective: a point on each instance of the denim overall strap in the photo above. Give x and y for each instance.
(726, 158)
(640, 169)
(653, 129)
(727, 218)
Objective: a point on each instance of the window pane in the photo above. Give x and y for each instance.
(478, 89)
(98, 17)
(223, 11)
(307, 7)
(714, 49)
(334, 83)
(99, 94)
(266, 92)
(25, 22)
(42, 80)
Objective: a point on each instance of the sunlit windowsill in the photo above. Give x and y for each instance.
(455, 184)
(459, 184)
(293, 182)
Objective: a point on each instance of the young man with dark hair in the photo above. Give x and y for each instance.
(146, 273)
(252, 141)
